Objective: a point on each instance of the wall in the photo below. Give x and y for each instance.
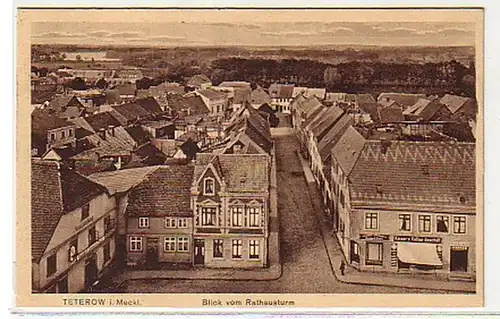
(227, 261)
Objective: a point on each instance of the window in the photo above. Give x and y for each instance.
(208, 188)
(218, 248)
(107, 252)
(51, 265)
(107, 224)
(459, 224)
(92, 235)
(253, 247)
(404, 222)
(63, 134)
(70, 132)
(183, 223)
(208, 216)
(442, 224)
(73, 250)
(374, 253)
(143, 222)
(342, 199)
(169, 245)
(85, 211)
(237, 216)
(182, 244)
(371, 221)
(237, 245)
(169, 222)
(254, 216)
(424, 223)
(52, 136)
(135, 243)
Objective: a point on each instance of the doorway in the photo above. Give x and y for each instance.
(152, 252)
(199, 251)
(459, 259)
(90, 272)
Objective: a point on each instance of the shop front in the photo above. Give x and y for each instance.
(416, 253)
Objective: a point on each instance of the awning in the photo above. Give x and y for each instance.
(419, 254)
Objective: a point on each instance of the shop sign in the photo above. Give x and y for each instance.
(374, 236)
(417, 239)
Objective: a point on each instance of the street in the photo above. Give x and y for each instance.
(306, 265)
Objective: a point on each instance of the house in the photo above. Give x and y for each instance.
(72, 229)
(427, 110)
(281, 95)
(97, 122)
(49, 131)
(259, 96)
(319, 93)
(462, 109)
(126, 92)
(130, 113)
(230, 196)
(182, 106)
(159, 129)
(66, 106)
(404, 100)
(273, 119)
(88, 75)
(332, 98)
(199, 82)
(400, 207)
(130, 75)
(390, 114)
(151, 105)
(187, 150)
(300, 107)
(216, 102)
(159, 218)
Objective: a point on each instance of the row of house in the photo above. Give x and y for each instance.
(395, 204)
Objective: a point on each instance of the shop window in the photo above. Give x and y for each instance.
(374, 253)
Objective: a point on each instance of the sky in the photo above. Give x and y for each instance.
(254, 33)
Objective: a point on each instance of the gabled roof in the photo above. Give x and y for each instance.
(235, 84)
(150, 104)
(390, 114)
(212, 94)
(332, 115)
(42, 122)
(121, 180)
(281, 90)
(198, 80)
(101, 121)
(424, 109)
(453, 102)
(55, 190)
(331, 138)
(259, 96)
(138, 134)
(403, 99)
(62, 101)
(427, 173)
(164, 192)
(348, 148)
(131, 111)
(365, 98)
(242, 173)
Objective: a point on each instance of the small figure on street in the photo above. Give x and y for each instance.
(342, 267)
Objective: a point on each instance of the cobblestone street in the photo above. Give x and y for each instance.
(306, 264)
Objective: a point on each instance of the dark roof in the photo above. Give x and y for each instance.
(138, 134)
(332, 115)
(102, 121)
(241, 172)
(42, 122)
(164, 192)
(259, 96)
(131, 111)
(62, 101)
(397, 174)
(348, 148)
(150, 154)
(55, 190)
(181, 104)
(331, 138)
(370, 108)
(190, 149)
(390, 114)
(150, 104)
(197, 80)
(403, 99)
(453, 102)
(424, 109)
(126, 89)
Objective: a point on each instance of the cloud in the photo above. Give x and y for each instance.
(124, 34)
(99, 34)
(58, 35)
(165, 38)
(288, 34)
(235, 25)
(338, 31)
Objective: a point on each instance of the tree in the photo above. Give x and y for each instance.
(78, 84)
(101, 84)
(78, 57)
(331, 76)
(143, 83)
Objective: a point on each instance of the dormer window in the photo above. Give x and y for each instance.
(208, 186)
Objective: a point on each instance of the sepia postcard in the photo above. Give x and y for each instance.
(254, 159)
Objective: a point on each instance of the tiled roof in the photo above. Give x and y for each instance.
(242, 173)
(424, 109)
(61, 101)
(390, 114)
(259, 96)
(121, 180)
(42, 122)
(164, 192)
(131, 111)
(88, 166)
(241, 95)
(331, 138)
(453, 102)
(365, 98)
(317, 92)
(101, 121)
(348, 148)
(415, 172)
(55, 190)
(235, 84)
(150, 154)
(332, 115)
(370, 108)
(198, 80)
(403, 99)
(180, 104)
(313, 121)
(150, 104)
(281, 90)
(126, 89)
(212, 94)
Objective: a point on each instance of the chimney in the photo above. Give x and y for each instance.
(384, 145)
(387, 99)
(111, 129)
(102, 133)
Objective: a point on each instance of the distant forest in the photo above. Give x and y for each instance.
(373, 70)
